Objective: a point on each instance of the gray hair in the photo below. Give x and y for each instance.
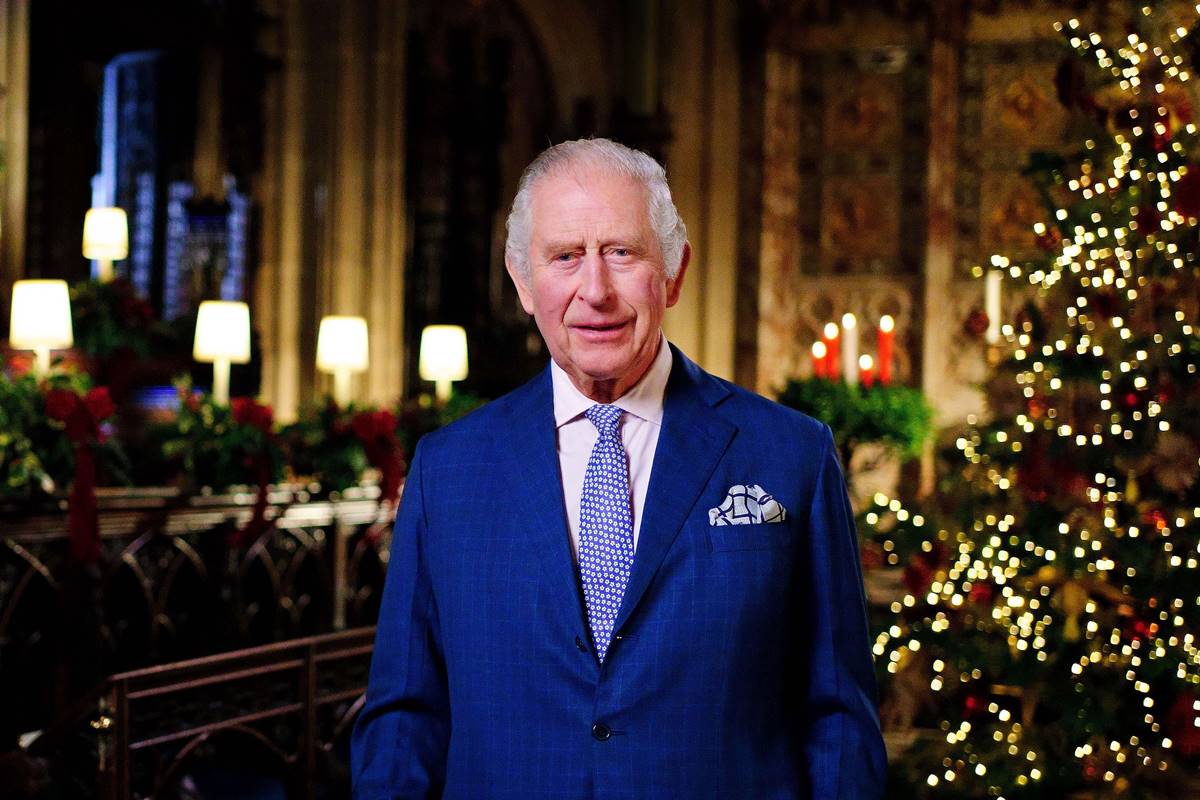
(612, 157)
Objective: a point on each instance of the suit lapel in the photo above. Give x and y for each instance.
(537, 487)
(693, 439)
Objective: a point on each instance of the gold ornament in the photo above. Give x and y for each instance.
(1072, 599)
(1131, 487)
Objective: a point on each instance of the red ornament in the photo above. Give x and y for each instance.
(918, 576)
(976, 323)
(1137, 629)
(1147, 218)
(1037, 406)
(982, 592)
(1187, 192)
(1050, 240)
(1183, 725)
(972, 705)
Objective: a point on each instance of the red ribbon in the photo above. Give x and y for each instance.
(258, 524)
(83, 518)
(81, 417)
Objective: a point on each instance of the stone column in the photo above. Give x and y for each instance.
(14, 135)
(333, 195)
(701, 80)
(946, 32)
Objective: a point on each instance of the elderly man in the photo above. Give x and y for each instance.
(628, 578)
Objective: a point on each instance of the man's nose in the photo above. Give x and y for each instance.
(596, 287)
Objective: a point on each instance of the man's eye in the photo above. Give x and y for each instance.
(620, 252)
(564, 256)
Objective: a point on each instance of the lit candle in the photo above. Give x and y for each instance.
(820, 366)
(991, 304)
(887, 332)
(831, 338)
(850, 348)
(866, 370)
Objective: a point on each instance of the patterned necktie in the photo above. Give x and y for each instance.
(605, 526)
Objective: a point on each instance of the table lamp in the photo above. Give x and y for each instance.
(222, 338)
(443, 357)
(105, 238)
(40, 319)
(342, 349)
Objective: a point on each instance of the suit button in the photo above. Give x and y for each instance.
(580, 645)
(601, 732)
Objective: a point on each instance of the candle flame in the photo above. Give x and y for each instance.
(848, 321)
(831, 330)
(886, 323)
(819, 350)
(865, 362)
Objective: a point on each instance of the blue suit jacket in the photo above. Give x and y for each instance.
(740, 667)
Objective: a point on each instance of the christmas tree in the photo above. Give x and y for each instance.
(1048, 633)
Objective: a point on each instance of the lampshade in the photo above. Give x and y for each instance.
(41, 315)
(443, 353)
(222, 332)
(342, 344)
(105, 234)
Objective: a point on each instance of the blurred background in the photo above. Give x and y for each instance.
(251, 250)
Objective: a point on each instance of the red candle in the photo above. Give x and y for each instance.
(820, 355)
(887, 332)
(866, 371)
(829, 336)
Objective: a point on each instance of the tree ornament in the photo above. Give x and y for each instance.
(1072, 599)
(1050, 240)
(918, 576)
(976, 323)
(982, 592)
(1183, 724)
(1186, 192)
(1174, 461)
(1155, 518)
(1132, 491)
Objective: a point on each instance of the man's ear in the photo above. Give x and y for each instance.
(675, 285)
(523, 291)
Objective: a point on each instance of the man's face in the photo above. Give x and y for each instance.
(597, 286)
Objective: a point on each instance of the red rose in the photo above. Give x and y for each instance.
(61, 404)
(241, 409)
(385, 423)
(99, 403)
(264, 417)
(248, 412)
(363, 425)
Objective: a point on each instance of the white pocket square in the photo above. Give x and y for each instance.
(747, 505)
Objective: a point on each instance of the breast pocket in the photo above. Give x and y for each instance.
(763, 536)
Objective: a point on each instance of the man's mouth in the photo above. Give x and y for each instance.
(600, 331)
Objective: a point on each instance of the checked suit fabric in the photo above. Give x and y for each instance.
(605, 526)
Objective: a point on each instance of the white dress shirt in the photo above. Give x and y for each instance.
(640, 425)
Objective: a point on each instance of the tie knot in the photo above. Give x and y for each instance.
(606, 418)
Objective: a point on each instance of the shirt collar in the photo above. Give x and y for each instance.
(644, 400)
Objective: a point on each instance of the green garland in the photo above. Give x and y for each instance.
(897, 417)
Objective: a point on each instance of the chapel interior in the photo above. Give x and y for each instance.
(191, 617)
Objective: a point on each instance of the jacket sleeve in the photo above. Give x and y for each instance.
(842, 743)
(400, 740)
